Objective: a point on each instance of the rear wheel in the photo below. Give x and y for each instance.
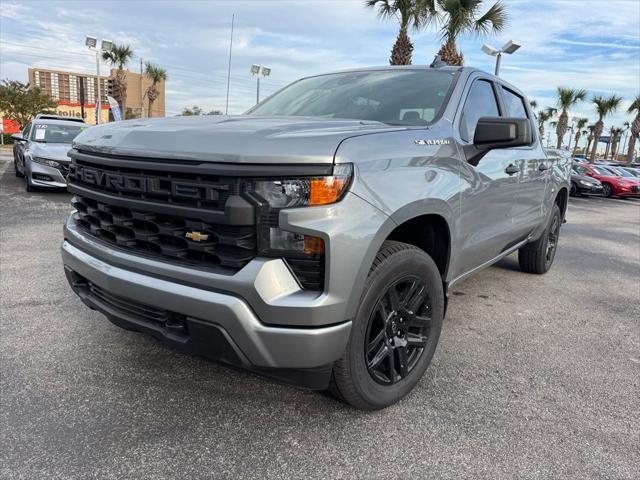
(607, 191)
(537, 257)
(395, 331)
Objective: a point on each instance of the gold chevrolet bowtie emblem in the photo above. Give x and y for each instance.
(196, 236)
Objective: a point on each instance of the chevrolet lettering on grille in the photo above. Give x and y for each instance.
(127, 182)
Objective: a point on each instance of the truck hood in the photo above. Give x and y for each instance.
(237, 139)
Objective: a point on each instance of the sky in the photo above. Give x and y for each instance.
(588, 44)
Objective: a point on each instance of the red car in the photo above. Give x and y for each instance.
(613, 183)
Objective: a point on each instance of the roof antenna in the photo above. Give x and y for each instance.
(437, 62)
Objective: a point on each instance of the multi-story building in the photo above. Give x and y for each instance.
(67, 88)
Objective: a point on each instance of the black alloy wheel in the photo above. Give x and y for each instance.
(552, 239)
(398, 331)
(606, 190)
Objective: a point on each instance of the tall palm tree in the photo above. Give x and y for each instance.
(408, 13)
(460, 17)
(616, 135)
(635, 127)
(544, 116)
(579, 126)
(604, 107)
(567, 98)
(118, 57)
(590, 130)
(156, 75)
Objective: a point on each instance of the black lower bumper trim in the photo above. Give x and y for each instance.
(186, 334)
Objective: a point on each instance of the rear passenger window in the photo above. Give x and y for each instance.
(481, 102)
(514, 104)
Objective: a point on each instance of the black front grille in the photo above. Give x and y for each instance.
(187, 240)
(175, 188)
(200, 214)
(635, 189)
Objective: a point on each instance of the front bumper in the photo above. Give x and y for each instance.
(590, 189)
(215, 325)
(37, 172)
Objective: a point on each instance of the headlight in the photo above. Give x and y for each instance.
(46, 161)
(306, 192)
(304, 253)
(586, 184)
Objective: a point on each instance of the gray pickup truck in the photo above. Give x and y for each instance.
(314, 239)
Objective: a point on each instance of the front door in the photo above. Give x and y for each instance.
(488, 190)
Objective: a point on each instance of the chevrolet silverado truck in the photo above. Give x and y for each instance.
(314, 238)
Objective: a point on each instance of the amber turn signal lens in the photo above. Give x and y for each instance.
(327, 190)
(313, 245)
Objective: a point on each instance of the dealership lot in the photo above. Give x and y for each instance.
(534, 377)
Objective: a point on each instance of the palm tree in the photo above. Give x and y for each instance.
(567, 98)
(533, 104)
(459, 17)
(590, 130)
(635, 128)
(579, 126)
(118, 57)
(604, 107)
(156, 75)
(544, 116)
(616, 133)
(408, 13)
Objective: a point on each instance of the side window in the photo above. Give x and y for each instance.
(582, 170)
(514, 104)
(26, 130)
(481, 102)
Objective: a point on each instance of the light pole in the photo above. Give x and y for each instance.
(507, 48)
(255, 71)
(105, 46)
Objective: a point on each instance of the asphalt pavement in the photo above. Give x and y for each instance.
(534, 377)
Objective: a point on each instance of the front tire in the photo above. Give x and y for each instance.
(607, 190)
(18, 173)
(537, 257)
(395, 331)
(27, 184)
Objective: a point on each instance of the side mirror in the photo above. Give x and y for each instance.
(498, 132)
(18, 137)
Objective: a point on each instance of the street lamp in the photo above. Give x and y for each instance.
(507, 48)
(255, 71)
(92, 43)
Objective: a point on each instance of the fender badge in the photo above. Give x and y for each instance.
(432, 142)
(196, 236)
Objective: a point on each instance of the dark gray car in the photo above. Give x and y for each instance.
(314, 239)
(40, 151)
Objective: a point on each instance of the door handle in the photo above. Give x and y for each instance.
(543, 167)
(511, 169)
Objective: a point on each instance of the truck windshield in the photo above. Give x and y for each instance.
(396, 97)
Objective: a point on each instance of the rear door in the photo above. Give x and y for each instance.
(533, 166)
(488, 192)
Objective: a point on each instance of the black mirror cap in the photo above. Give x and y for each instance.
(502, 132)
(18, 137)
